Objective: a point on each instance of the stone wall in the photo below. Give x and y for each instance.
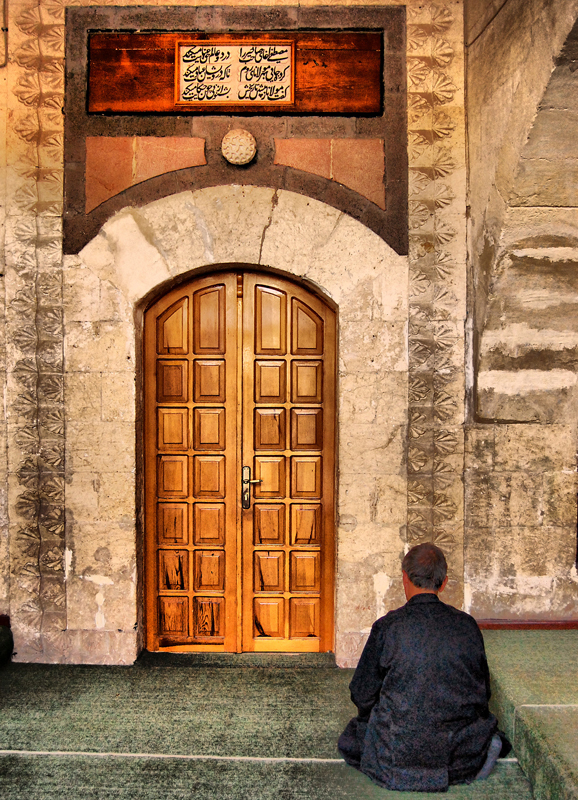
(72, 525)
(520, 550)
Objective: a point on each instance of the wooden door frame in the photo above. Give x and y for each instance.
(140, 499)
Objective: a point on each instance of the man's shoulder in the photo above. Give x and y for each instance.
(454, 615)
(397, 614)
(460, 616)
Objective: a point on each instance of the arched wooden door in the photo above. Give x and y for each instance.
(239, 392)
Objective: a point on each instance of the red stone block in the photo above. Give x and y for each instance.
(360, 164)
(108, 168)
(156, 155)
(309, 155)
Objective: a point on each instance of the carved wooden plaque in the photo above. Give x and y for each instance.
(218, 72)
(289, 71)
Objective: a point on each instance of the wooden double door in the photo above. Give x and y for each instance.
(239, 466)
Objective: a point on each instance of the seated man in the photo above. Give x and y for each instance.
(422, 689)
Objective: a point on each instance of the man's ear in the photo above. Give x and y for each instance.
(443, 586)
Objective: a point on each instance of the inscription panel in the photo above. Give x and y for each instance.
(218, 72)
(334, 72)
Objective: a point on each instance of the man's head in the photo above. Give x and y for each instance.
(426, 567)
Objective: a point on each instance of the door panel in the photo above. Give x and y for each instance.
(288, 438)
(239, 371)
(270, 381)
(190, 393)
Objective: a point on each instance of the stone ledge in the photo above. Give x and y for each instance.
(529, 395)
(535, 697)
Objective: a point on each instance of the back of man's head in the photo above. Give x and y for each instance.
(425, 566)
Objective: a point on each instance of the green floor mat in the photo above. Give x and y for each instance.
(72, 778)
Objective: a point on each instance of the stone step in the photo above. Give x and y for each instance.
(535, 697)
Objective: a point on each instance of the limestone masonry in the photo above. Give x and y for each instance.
(449, 251)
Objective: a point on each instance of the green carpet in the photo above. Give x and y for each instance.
(188, 707)
(41, 778)
(223, 711)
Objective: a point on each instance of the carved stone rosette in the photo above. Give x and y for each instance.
(437, 284)
(35, 332)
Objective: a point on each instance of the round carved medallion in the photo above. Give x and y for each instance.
(238, 146)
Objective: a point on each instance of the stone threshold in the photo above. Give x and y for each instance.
(238, 660)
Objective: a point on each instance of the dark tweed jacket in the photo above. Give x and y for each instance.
(422, 691)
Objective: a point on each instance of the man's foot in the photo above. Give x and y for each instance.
(494, 751)
(506, 745)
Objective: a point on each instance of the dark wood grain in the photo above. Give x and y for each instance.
(334, 72)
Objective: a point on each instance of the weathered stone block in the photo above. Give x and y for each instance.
(537, 448)
(118, 396)
(108, 447)
(98, 347)
(83, 396)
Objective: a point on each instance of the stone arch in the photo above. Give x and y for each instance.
(139, 253)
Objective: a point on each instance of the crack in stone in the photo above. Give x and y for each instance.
(274, 202)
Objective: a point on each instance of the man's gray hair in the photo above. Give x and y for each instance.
(426, 566)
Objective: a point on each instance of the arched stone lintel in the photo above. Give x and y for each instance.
(389, 224)
(192, 231)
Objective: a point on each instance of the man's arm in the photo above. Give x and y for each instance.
(366, 683)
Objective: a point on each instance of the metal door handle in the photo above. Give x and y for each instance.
(246, 486)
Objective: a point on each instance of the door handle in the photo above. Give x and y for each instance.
(246, 486)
